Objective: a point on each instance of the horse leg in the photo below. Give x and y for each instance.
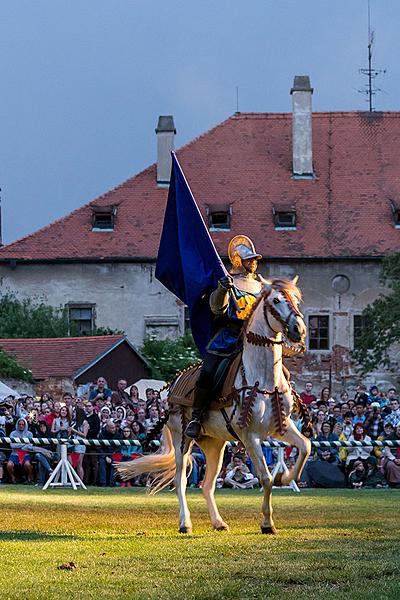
(293, 437)
(214, 453)
(254, 449)
(181, 459)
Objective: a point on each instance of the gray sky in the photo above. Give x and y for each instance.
(83, 82)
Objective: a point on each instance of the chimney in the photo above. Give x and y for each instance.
(165, 144)
(302, 127)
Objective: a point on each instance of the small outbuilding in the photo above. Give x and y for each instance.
(62, 364)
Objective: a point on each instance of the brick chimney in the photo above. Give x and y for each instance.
(302, 127)
(165, 144)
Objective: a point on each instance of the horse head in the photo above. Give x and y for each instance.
(281, 298)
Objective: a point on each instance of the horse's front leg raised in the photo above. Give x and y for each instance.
(254, 449)
(293, 437)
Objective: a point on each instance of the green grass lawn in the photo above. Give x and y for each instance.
(333, 543)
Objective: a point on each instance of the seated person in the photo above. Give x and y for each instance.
(357, 475)
(374, 478)
(238, 475)
(19, 456)
(392, 470)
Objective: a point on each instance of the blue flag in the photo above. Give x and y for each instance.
(188, 263)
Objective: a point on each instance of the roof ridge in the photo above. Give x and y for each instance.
(61, 339)
(76, 210)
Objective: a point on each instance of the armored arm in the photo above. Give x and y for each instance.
(220, 297)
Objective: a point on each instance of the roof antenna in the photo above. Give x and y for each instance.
(370, 90)
(237, 99)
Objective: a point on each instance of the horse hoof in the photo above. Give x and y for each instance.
(223, 527)
(268, 530)
(185, 530)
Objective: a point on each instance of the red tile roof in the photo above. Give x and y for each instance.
(246, 161)
(59, 357)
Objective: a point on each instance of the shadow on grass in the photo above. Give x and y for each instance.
(32, 536)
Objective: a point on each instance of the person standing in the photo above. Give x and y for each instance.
(90, 461)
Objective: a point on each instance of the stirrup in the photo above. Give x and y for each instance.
(193, 429)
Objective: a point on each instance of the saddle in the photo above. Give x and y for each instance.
(182, 390)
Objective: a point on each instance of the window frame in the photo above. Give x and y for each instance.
(353, 328)
(278, 212)
(319, 314)
(81, 306)
(99, 211)
(219, 209)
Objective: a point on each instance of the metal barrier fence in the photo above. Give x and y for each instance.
(64, 475)
(118, 443)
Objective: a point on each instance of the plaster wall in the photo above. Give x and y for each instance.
(126, 296)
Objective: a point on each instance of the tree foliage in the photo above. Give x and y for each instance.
(383, 320)
(166, 357)
(30, 318)
(10, 367)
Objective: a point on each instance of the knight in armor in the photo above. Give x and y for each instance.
(231, 304)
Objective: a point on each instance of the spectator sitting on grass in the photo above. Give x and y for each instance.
(238, 475)
(375, 478)
(357, 475)
(392, 470)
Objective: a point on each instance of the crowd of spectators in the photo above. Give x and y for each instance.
(105, 414)
(369, 415)
(108, 414)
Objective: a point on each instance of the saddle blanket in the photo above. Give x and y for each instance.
(181, 390)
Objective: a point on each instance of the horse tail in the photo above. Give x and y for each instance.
(160, 465)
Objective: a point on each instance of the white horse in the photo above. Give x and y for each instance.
(275, 312)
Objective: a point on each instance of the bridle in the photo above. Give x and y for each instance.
(262, 340)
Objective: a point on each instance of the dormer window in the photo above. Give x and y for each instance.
(396, 214)
(219, 217)
(103, 218)
(284, 217)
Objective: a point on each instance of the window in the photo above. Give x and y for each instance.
(103, 218)
(318, 332)
(284, 217)
(219, 217)
(81, 318)
(396, 214)
(360, 324)
(188, 327)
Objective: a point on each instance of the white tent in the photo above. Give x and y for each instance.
(143, 384)
(7, 391)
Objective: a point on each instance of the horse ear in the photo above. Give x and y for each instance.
(267, 286)
(295, 279)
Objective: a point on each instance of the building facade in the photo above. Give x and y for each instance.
(317, 193)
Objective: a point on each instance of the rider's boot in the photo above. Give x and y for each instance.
(200, 404)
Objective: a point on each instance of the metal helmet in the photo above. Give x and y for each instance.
(241, 248)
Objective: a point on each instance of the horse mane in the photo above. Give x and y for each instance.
(286, 286)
